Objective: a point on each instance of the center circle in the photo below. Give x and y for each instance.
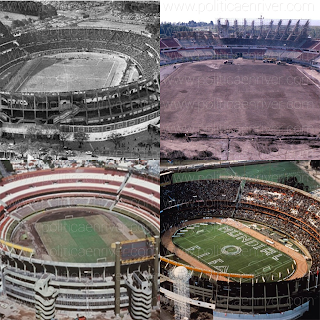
(231, 250)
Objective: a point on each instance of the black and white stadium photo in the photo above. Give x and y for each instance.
(79, 79)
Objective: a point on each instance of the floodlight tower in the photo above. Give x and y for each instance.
(261, 27)
(270, 29)
(236, 30)
(252, 30)
(244, 28)
(180, 277)
(286, 31)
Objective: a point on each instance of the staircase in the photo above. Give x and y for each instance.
(3, 170)
(124, 182)
(66, 114)
(238, 197)
(4, 117)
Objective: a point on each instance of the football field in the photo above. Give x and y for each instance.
(209, 97)
(85, 239)
(226, 249)
(73, 72)
(74, 240)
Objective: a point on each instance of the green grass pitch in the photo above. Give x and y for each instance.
(84, 239)
(266, 171)
(227, 249)
(73, 240)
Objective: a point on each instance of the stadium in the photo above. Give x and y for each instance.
(252, 87)
(287, 41)
(80, 240)
(251, 247)
(69, 80)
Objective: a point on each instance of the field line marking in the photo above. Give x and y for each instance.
(274, 264)
(251, 264)
(110, 72)
(309, 78)
(281, 264)
(254, 262)
(22, 83)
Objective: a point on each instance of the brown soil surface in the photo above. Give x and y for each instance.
(229, 109)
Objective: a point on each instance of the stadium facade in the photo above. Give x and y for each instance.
(130, 281)
(125, 109)
(289, 211)
(287, 41)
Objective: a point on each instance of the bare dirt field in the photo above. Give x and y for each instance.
(247, 110)
(228, 147)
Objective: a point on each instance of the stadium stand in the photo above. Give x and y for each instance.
(287, 210)
(39, 191)
(284, 45)
(130, 107)
(169, 43)
(5, 35)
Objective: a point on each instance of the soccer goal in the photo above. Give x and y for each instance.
(102, 259)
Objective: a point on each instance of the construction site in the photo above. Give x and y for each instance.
(244, 92)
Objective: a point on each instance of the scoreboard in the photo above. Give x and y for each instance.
(141, 249)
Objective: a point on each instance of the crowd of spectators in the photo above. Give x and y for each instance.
(286, 226)
(205, 190)
(176, 216)
(299, 206)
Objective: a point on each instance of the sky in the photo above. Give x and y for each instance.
(211, 10)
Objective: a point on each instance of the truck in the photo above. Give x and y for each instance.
(269, 60)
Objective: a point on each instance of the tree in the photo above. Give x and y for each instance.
(315, 164)
(81, 137)
(25, 21)
(22, 148)
(32, 8)
(166, 29)
(47, 11)
(154, 28)
(32, 132)
(64, 136)
(192, 23)
(52, 132)
(116, 138)
(293, 182)
(176, 154)
(16, 24)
